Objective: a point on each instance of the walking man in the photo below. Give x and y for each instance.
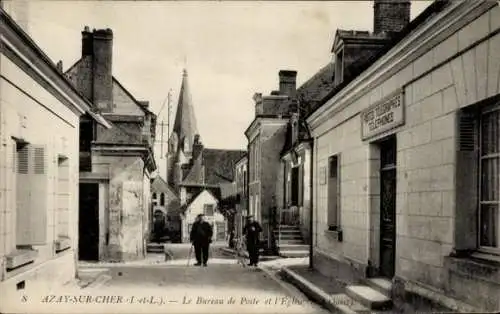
(252, 231)
(201, 237)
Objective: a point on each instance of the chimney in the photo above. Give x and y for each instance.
(390, 16)
(86, 42)
(59, 66)
(288, 84)
(197, 147)
(102, 69)
(259, 109)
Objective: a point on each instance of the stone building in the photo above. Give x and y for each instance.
(39, 128)
(193, 170)
(115, 164)
(405, 162)
(241, 176)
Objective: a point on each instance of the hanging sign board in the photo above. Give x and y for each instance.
(383, 116)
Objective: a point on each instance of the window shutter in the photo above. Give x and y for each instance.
(467, 138)
(38, 200)
(23, 197)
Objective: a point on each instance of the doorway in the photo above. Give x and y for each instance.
(88, 239)
(388, 156)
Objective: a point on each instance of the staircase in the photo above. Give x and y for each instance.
(290, 242)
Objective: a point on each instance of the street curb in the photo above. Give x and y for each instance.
(314, 292)
(293, 292)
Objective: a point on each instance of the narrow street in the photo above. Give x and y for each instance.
(156, 286)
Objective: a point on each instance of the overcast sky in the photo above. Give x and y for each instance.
(233, 49)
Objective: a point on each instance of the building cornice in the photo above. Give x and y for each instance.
(421, 40)
(18, 42)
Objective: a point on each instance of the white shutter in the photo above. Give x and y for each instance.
(39, 183)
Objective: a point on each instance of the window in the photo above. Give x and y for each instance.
(334, 193)
(154, 196)
(339, 67)
(31, 195)
(162, 199)
(489, 217)
(208, 209)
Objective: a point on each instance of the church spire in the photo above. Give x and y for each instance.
(185, 122)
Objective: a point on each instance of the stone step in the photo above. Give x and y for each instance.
(287, 230)
(369, 297)
(294, 247)
(286, 227)
(288, 237)
(155, 248)
(382, 285)
(294, 253)
(290, 241)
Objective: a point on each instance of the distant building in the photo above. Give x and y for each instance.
(115, 164)
(192, 168)
(39, 126)
(162, 198)
(241, 180)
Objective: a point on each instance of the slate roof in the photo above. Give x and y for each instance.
(185, 126)
(316, 88)
(159, 185)
(359, 66)
(214, 166)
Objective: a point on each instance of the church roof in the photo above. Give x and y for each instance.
(185, 121)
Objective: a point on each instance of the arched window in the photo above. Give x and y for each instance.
(154, 195)
(162, 199)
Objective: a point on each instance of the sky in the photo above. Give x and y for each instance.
(230, 49)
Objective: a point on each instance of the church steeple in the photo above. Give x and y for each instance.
(185, 127)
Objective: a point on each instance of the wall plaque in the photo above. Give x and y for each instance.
(382, 116)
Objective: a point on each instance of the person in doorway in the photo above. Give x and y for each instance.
(201, 237)
(252, 231)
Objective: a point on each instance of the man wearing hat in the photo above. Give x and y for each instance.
(252, 232)
(201, 237)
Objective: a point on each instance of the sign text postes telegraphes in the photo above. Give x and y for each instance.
(382, 116)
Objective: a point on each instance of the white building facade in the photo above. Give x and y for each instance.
(39, 127)
(406, 162)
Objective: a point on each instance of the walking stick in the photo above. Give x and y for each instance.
(190, 253)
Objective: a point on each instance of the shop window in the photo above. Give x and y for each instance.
(208, 210)
(334, 193)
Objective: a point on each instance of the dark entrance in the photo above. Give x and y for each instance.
(388, 151)
(88, 243)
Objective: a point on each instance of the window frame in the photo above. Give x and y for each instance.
(212, 206)
(480, 202)
(337, 225)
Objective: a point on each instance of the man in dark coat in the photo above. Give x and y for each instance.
(252, 231)
(201, 237)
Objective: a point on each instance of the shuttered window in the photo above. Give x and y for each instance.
(31, 195)
(334, 193)
(489, 207)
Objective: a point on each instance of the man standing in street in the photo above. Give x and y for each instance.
(252, 231)
(201, 237)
